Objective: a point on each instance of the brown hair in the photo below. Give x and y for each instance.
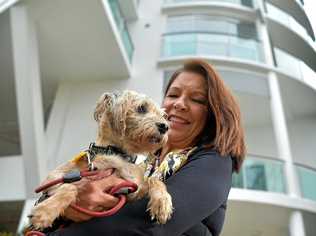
(224, 131)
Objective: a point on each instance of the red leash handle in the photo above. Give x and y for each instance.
(120, 190)
(126, 185)
(34, 233)
(68, 178)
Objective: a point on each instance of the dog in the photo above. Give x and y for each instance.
(132, 123)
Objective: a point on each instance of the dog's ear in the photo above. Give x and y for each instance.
(104, 103)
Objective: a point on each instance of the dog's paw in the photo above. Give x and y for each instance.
(160, 208)
(42, 217)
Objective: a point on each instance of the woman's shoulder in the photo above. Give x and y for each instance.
(205, 152)
(203, 157)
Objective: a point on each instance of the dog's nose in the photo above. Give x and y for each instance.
(162, 128)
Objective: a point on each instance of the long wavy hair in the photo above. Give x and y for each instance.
(224, 131)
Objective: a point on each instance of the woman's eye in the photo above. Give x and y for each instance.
(142, 109)
(172, 95)
(200, 101)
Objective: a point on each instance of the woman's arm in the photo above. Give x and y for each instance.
(198, 189)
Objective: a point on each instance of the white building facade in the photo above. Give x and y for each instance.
(57, 57)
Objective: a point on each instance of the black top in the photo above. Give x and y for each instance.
(199, 193)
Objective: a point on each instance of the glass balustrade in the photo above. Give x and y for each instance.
(260, 174)
(187, 44)
(122, 28)
(307, 180)
(248, 3)
(287, 63)
(294, 66)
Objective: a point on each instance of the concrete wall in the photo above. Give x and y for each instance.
(302, 134)
(71, 126)
(12, 179)
(260, 140)
(9, 135)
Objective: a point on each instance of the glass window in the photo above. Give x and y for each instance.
(207, 23)
(246, 49)
(237, 181)
(212, 44)
(180, 24)
(247, 30)
(247, 3)
(209, 35)
(307, 178)
(122, 28)
(261, 174)
(179, 44)
(255, 175)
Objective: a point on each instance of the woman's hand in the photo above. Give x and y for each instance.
(93, 195)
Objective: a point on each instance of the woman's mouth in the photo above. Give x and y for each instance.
(177, 119)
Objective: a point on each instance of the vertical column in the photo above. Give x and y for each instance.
(29, 98)
(296, 223)
(277, 111)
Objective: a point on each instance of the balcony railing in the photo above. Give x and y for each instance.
(307, 180)
(259, 173)
(213, 44)
(287, 20)
(248, 3)
(294, 67)
(122, 28)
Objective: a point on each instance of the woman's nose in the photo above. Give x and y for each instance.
(180, 104)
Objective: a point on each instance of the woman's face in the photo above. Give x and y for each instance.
(186, 104)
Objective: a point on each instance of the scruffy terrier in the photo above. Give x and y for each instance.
(132, 123)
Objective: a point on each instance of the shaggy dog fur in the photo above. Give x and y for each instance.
(129, 121)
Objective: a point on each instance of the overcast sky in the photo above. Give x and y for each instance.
(310, 8)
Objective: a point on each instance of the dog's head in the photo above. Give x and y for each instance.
(131, 120)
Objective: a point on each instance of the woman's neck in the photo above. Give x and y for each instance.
(169, 147)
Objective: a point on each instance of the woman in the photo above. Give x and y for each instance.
(205, 128)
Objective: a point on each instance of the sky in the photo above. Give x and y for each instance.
(310, 7)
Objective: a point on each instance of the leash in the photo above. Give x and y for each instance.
(120, 191)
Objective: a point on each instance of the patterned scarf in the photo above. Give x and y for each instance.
(170, 165)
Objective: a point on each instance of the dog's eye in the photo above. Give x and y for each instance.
(142, 109)
(165, 115)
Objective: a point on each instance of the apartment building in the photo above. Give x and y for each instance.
(57, 57)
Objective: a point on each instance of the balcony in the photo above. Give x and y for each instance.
(259, 173)
(294, 67)
(298, 42)
(211, 44)
(307, 179)
(247, 3)
(244, 9)
(295, 9)
(129, 9)
(286, 19)
(122, 28)
(82, 43)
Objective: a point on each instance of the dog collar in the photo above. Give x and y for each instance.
(109, 150)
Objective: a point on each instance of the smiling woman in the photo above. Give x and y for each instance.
(186, 104)
(205, 146)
